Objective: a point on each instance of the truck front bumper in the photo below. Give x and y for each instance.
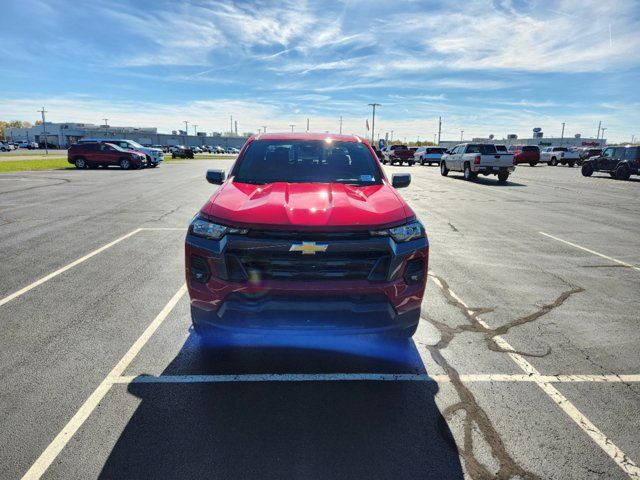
(388, 299)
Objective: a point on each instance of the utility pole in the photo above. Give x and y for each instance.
(340, 124)
(373, 123)
(291, 125)
(562, 135)
(231, 125)
(44, 132)
(186, 132)
(602, 129)
(599, 125)
(264, 129)
(392, 136)
(236, 125)
(106, 122)
(439, 128)
(195, 129)
(461, 134)
(307, 124)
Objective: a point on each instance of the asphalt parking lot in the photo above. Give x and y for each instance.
(526, 362)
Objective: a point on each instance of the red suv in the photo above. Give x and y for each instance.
(306, 235)
(525, 154)
(97, 154)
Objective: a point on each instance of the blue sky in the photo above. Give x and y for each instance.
(486, 67)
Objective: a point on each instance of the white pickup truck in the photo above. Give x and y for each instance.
(555, 155)
(475, 158)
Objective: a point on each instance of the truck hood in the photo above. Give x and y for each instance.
(307, 205)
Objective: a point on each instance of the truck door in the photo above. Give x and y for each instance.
(606, 160)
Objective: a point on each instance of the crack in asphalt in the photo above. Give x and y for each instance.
(475, 416)
(453, 227)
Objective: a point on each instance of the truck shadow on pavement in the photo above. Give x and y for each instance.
(287, 429)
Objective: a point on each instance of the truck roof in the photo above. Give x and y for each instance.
(308, 136)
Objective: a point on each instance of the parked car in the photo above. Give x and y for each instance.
(196, 149)
(154, 156)
(428, 155)
(28, 145)
(102, 154)
(218, 149)
(587, 153)
(182, 152)
(305, 257)
(6, 147)
(619, 162)
(559, 155)
(475, 158)
(398, 154)
(525, 154)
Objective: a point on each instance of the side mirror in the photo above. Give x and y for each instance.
(400, 180)
(215, 176)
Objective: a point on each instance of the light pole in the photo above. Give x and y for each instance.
(195, 129)
(373, 122)
(186, 132)
(340, 124)
(106, 122)
(292, 125)
(439, 128)
(392, 136)
(461, 134)
(603, 129)
(44, 132)
(562, 135)
(264, 129)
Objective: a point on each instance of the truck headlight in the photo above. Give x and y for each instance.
(403, 233)
(201, 227)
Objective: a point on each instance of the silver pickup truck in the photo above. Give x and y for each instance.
(475, 158)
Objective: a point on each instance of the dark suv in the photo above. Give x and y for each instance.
(619, 162)
(97, 154)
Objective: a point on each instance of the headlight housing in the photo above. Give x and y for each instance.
(201, 227)
(403, 233)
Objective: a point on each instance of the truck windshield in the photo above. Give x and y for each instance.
(303, 161)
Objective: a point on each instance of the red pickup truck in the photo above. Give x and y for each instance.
(306, 235)
(399, 154)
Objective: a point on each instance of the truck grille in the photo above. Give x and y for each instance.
(294, 266)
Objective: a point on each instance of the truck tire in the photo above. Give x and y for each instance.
(503, 175)
(623, 172)
(422, 161)
(468, 174)
(411, 162)
(532, 164)
(444, 171)
(587, 169)
(80, 163)
(553, 162)
(571, 164)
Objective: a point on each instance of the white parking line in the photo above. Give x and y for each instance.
(604, 442)
(46, 278)
(370, 377)
(55, 447)
(591, 251)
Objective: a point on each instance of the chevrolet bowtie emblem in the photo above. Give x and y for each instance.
(309, 248)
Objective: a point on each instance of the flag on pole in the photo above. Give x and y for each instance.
(367, 121)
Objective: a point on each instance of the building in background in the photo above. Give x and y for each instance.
(538, 139)
(62, 135)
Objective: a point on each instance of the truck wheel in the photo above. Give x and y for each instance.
(612, 174)
(468, 174)
(587, 169)
(532, 164)
(444, 171)
(173, 155)
(623, 172)
(554, 162)
(125, 163)
(571, 164)
(80, 163)
(503, 175)
(411, 163)
(422, 161)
